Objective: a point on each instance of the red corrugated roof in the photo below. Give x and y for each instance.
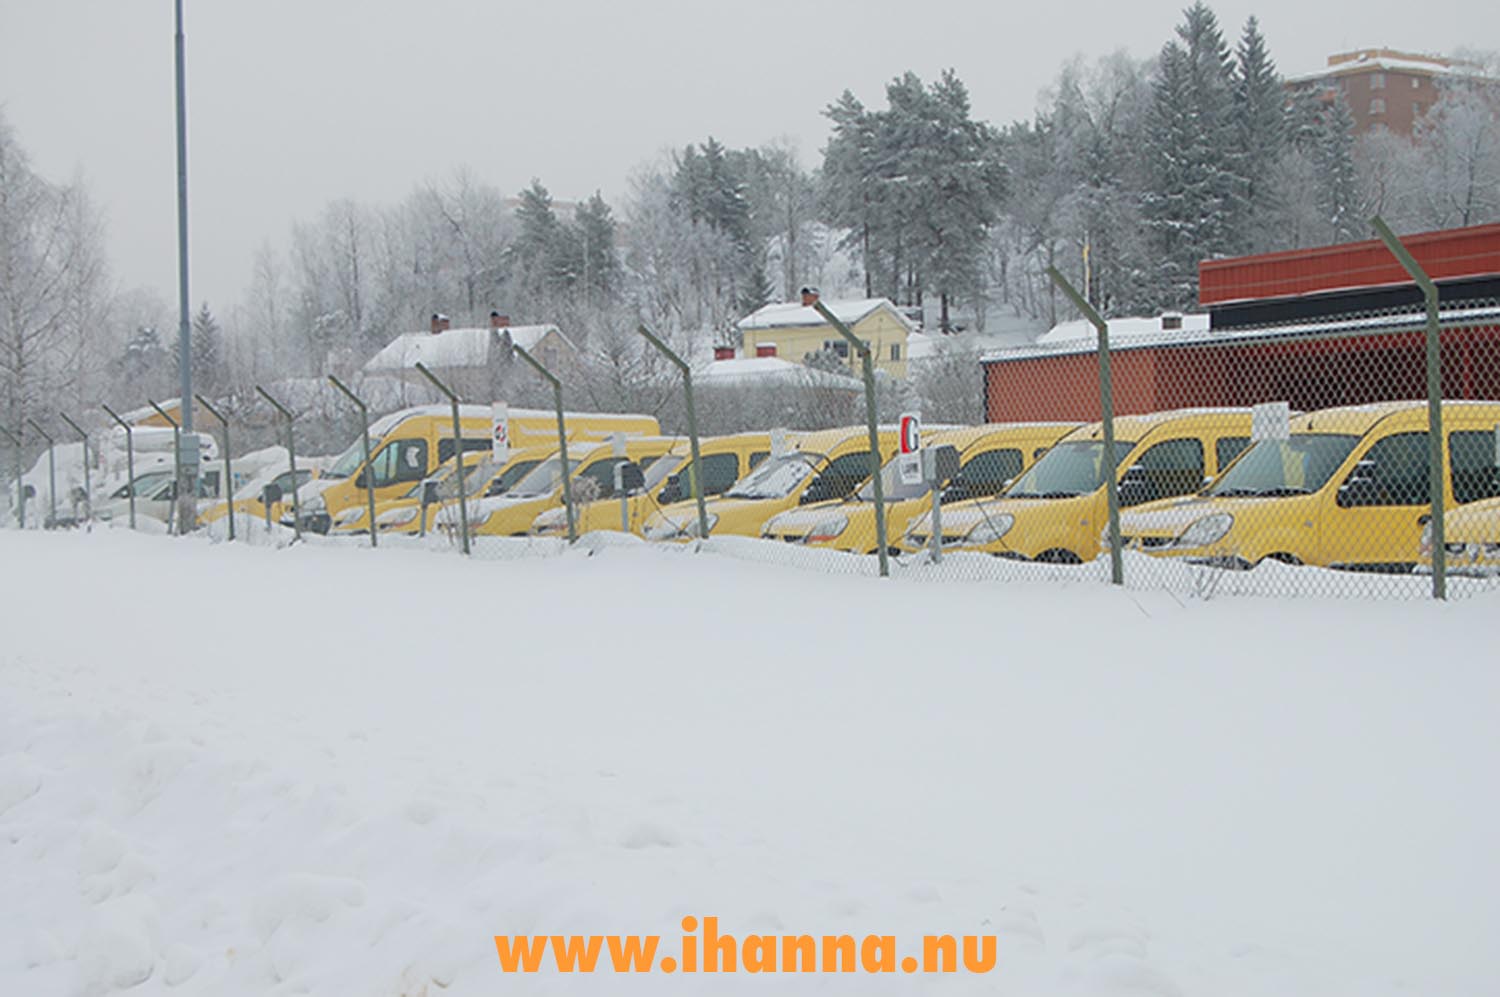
(1446, 255)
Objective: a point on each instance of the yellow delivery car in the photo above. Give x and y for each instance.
(990, 457)
(408, 445)
(591, 476)
(814, 467)
(1055, 511)
(1347, 488)
(668, 480)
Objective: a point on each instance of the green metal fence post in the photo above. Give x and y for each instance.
(291, 455)
(51, 521)
(364, 417)
(88, 487)
(695, 473)
(1107, 410)
(228, 470)
(562, 438)
(129, 459)
(458, 455)
(867, 366)
(20, 484)
(176, 463)
(1434, 404)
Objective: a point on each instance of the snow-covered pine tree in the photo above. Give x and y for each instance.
(1192, 202)
(208, 352)
(1334, 154)
(1260, 124)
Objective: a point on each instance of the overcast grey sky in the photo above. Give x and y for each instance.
(295, 102)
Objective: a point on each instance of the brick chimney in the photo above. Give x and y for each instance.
(498, 321)
(769, 349)
(809, 296)
(723, 352)
(440, 323)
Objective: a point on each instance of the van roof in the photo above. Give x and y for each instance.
(1363, 418)
(966, 436)
(1133, 427)
(391, 420)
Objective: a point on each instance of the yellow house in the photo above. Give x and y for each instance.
(794, 330)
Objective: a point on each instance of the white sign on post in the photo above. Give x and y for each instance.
(911, 432)
(780, 447)
(617, 444)
(909, 467)
(1271, 421)
(500, 432)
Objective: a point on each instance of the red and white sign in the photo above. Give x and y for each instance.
(500, 432)
(911, 432)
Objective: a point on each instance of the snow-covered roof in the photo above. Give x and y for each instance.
(772, 370)
(1082, 330)
(794, 314)
(1487, 315)
(1390, 62)
(454, 348)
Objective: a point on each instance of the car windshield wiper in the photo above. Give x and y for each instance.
(1235, 492)
(1283, 491)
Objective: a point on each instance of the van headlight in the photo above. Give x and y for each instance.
(1424, 545)
(990, 530)
(349, 516)
(314, 505)
(1205, 531)
(551, 521)
(827, 529)
(398, 517)
(666, 529)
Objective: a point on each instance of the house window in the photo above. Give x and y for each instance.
(1416, 81)
(895, 351)
(1377, 81)
(1377, 106)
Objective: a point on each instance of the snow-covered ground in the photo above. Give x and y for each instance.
(328, 770)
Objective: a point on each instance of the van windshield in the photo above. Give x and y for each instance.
(350, 460)
(662, 468)
(1296, 466)
(1068, 469)
(776, 477)
(544, 479)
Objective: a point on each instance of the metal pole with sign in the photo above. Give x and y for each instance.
(1107, 414)
(867, 367)
(695, 474)
(364, 420)
(51, 521)
(228, 469)
(562, 438)
(1434, 404)
(129, 459)
(176, 462)
(88, 488)
(20, 482)
(458, 454)
(291, 456)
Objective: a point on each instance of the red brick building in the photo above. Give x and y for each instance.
(1383, 87)
(1333, 325)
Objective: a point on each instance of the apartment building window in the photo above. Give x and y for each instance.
(1416, 108)
(1377, 81)
(1416, 81)
(1377, 106)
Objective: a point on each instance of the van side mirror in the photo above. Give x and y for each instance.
(629, 477)
(361, 479)
(429, 492)
(1361, 488)
(671, 491)
(29, 492)
(271, 494)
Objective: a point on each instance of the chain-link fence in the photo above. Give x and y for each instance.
(1286, 458)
